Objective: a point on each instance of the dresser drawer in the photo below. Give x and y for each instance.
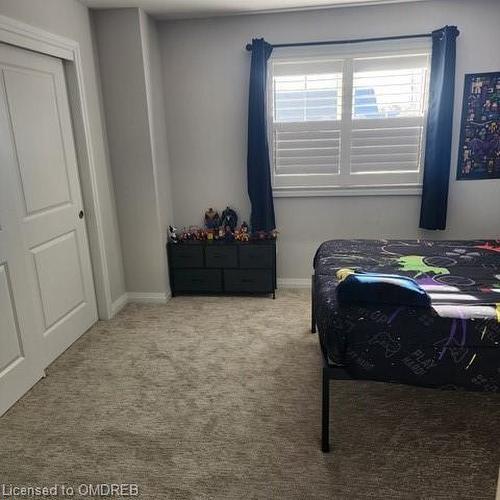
(221, 256)
(255, 256)
(183, 255)
(240, 280)
(197, 280)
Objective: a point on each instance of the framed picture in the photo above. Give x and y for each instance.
(479, 153)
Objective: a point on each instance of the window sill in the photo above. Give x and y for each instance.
(307, 192)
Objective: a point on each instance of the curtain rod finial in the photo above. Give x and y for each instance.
(249, 47)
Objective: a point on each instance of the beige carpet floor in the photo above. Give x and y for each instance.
(219, 397)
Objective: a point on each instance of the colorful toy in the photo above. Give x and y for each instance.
(212, 219)
(242, 233)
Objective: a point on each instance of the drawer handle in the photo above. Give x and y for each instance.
(247, 280)
(196, 280)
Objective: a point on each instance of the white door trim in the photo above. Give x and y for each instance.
(25, 36)
(498, 486)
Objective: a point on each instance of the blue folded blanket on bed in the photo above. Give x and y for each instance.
(373, 288)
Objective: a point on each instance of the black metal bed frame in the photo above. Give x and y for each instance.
(329, 372)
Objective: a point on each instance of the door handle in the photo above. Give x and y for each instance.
(80, 214)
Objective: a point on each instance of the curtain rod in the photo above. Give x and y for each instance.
(338, 42)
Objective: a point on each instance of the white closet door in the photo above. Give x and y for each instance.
(40, 155)
(20, 346)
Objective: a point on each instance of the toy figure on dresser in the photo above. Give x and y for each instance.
(229, 218)
(172, 232)
(212, 219)
(220, 233)
(187, 234)
(193, 233)
(265, 235)
(242, 233)
(228, 234)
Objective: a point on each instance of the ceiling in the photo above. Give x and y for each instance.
(206, 8)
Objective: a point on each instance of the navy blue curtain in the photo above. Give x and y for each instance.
(258, 168)
(439, 129)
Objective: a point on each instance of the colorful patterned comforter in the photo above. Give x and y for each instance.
(455, 344)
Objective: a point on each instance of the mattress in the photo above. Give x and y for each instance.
(454, 344)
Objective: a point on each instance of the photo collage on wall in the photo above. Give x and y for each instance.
(479, 153)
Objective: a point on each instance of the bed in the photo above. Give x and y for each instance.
(455, 344)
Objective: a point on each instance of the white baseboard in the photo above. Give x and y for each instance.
(139, 297)
(119, 304)
(163, 298)
(294, 282)
(146, 297)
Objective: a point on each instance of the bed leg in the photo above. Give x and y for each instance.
(325, 413)
(313, 312)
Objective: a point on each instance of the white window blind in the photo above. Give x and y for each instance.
(349, 121)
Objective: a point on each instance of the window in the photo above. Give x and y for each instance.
(345, 123)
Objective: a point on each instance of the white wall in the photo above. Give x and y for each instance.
(130, 68)
(70, 19)
(153, 69)
(206, 71)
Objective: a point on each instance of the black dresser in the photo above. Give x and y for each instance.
(222, 267)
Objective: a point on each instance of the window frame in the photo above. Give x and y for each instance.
(346, 183)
